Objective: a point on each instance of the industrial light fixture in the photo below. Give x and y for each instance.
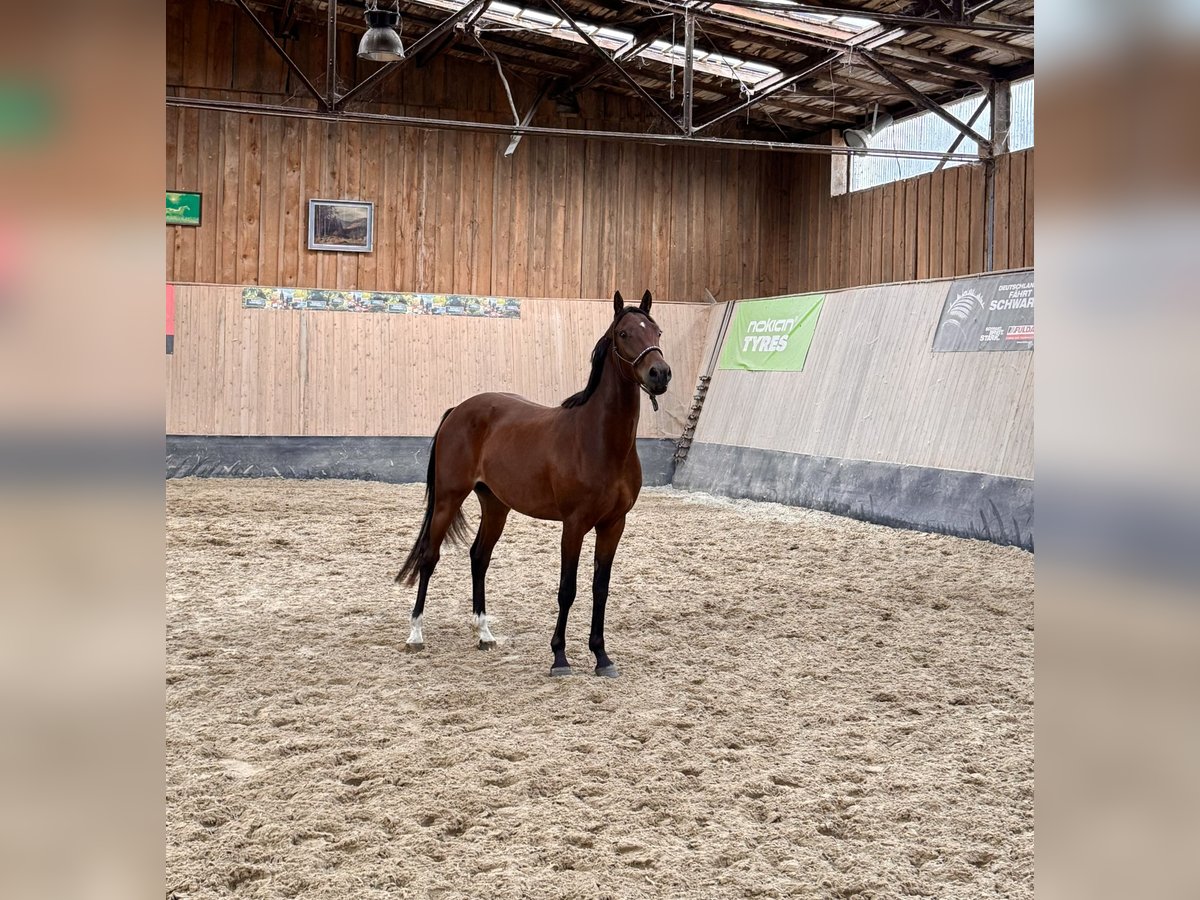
(859, 138)
(381, 43)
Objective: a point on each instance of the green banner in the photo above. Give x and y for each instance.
(772, 335)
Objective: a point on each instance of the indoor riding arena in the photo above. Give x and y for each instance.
(820, 219)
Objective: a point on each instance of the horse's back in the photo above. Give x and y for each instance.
(495, 406)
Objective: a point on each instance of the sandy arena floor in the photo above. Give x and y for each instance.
(808, 706)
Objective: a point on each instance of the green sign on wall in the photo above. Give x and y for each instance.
(183, 208)
(772, 335)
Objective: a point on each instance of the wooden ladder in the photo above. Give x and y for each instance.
(684, 444)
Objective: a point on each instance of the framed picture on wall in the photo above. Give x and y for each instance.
(183, 208)
(341, 225)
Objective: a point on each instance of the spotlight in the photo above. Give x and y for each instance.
(859, 138)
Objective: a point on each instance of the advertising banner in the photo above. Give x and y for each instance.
(771, 335)
(987, 312)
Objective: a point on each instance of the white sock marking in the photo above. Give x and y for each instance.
(416, 636)
(482, 627)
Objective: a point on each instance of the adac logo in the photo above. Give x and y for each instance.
(965, 307)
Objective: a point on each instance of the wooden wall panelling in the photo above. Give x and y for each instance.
(1016, 213)
(281, 372)
(566, 219)
(923, 234)
(1003, 175)
(1028, 218)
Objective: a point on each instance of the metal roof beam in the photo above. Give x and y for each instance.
(958, 22)
(927, 102)
(642, 38)
(603, 54)
(641, 137)
(291, 63)
(777, 84)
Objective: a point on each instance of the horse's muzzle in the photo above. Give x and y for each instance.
(658, 378)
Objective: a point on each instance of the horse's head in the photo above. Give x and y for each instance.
(635, 338)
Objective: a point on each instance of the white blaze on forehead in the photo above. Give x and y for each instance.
(643, 324)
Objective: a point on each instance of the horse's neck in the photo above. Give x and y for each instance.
(618, 405)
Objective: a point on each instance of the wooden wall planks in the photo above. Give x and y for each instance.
(239, 371)
(873, 390)
(561, 218)
(931, 226)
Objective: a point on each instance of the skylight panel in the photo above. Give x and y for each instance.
(538, 15)
(615, 34)
(854, 23)
(509, 16)
(505, 9)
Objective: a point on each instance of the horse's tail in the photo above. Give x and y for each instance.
(457, 533)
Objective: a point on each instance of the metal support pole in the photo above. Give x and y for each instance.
(331, 55)
(291, 64)
(689, 47)
(989, 175)
(1000, 97)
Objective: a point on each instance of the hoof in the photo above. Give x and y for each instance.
(561, 672)
(609, 671)
(487, 645)
(413, 648)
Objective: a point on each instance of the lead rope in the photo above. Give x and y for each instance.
(633, 362)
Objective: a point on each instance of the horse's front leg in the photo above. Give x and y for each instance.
(572, 543)
(608, 535)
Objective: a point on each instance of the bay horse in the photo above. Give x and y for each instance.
(575, 463)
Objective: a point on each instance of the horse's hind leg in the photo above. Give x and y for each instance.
(445, 508)
(491, 525)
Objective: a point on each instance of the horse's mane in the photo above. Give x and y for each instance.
(599, 358)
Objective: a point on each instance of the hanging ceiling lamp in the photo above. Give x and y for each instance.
(381, 43)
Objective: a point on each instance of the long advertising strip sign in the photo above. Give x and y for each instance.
(772, 335)
(988, 312)
(378, 302)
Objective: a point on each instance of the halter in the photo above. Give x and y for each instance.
(633, 362)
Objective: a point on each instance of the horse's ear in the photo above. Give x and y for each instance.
(646, 301)
(618, 302)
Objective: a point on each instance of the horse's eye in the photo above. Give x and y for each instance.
(623, 334)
